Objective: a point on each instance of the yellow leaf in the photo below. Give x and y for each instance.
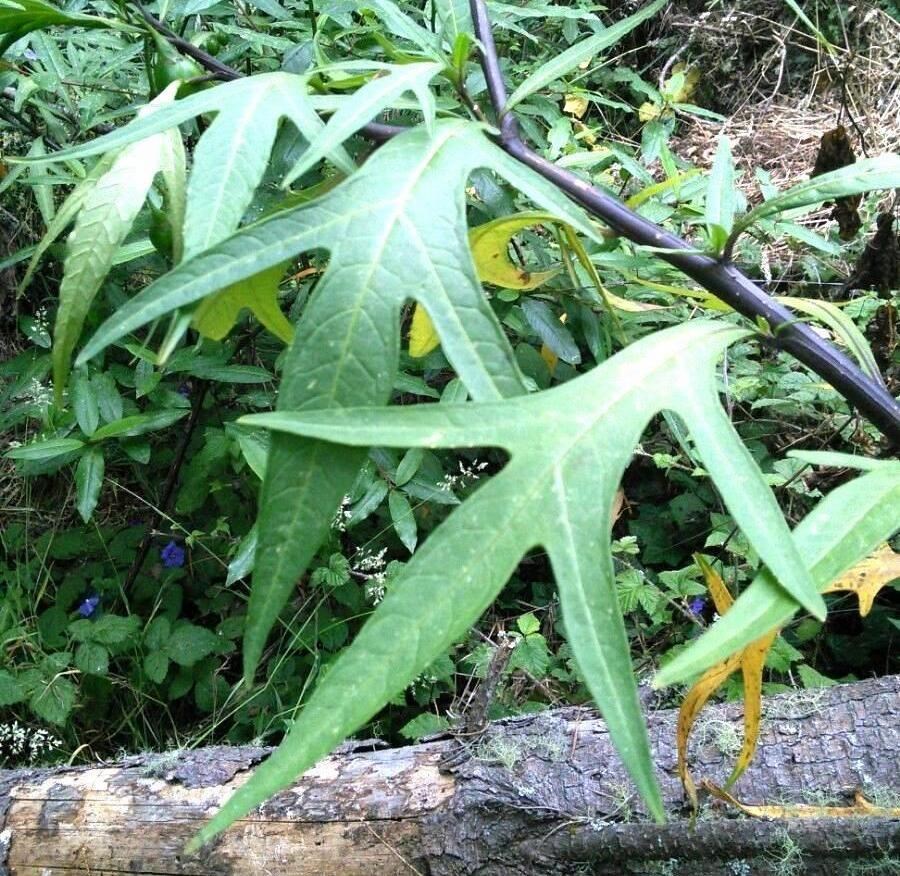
(422, 336)
(490, 251)
(647, 111)
(860, 807)
(750, 661)
(550, 358)
(691, 77)
(576, 105)
(216, 315)
(866, 578)
(673, 182)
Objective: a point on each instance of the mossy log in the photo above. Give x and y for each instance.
(538, 794)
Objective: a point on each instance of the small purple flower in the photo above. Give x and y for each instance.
(89, 605)
(696, 606)
(184, 390)
(172, 555)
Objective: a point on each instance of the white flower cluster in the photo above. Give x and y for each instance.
(465, 474)
(371, 568)
(18, 743)
(342, 515)
(36, 393)
(42, 320)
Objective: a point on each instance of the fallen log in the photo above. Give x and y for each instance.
(541, 794)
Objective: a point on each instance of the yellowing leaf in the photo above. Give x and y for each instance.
(750, 661)
(423, 338)
(490, 251)
(216, 315)
(688, 79)
(489, 244)
(671, 182)
(576, 105)
(647, 111)
(860, 807)
(865, 579)
(550, 358)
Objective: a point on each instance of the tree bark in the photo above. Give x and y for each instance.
(537, 794)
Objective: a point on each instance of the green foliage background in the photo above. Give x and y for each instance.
(112, 655)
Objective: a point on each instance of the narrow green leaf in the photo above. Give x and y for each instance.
(843, 327)
(40, 450)
(402, 519)
(720, 190)
(844, 528)
(568, 60)
(242, 563)
(869, 174)
(139, 424)
(106, 215)
(64, 216)
(550, 330)
(366, 103)
(89, 481)
(84, 403)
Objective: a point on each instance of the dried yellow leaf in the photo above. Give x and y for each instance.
(866, 578)
(576, 105)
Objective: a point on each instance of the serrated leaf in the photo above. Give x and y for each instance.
(156, 666)
(54, 700)
(92, 659)
(569, 446)
(89, 481)
(107, 212)
(568, 60)
(188, 644)
(11, 691)
(846, 526)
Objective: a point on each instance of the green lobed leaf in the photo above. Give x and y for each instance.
(397, 227)
(569, 447)
(364, 105)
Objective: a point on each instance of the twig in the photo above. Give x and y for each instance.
(723, 279)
